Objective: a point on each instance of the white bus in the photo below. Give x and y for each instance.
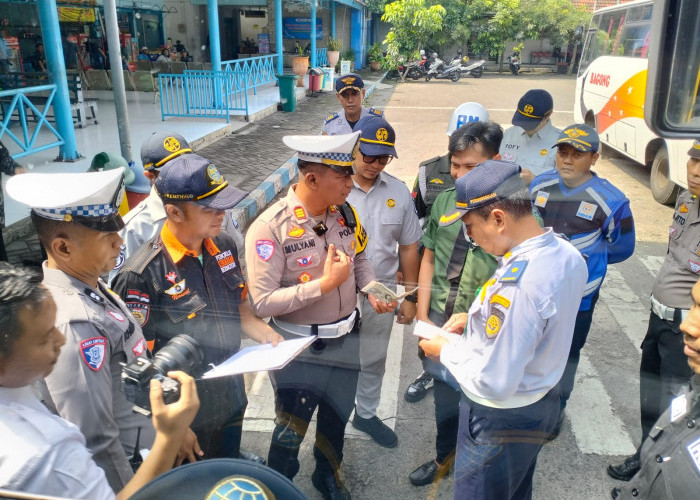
(610, 93)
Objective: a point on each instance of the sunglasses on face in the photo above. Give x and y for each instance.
(383, 160)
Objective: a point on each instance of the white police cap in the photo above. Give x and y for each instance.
(91, 199)
(335, 151)
(465, 113)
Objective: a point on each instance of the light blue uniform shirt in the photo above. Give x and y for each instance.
(388, 214)
(520, 325)
(533, 153)
(337, 124)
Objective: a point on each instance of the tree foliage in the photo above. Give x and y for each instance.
(412, 25)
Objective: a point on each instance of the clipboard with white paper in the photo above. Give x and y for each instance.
(260, 358)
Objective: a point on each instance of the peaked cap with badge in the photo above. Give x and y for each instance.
(193, 178)
(349, 81)
(489, 182)
(91, 199)
(377, 137)
(580, 136)
(161, 147)
(335, 151)
(694, 151)
(532, 108)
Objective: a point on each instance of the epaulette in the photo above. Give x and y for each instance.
(514, 272)
(428, 162)
(332, 117)
(140, 259)
(375, 111)
(272, 211)
(392, 176)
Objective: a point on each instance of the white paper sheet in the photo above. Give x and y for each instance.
(425, 330)
(260, 358)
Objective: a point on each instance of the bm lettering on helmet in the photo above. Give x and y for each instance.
(600, 79)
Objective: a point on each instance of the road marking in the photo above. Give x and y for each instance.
(653, 263)
(594, 425)
(260, 413)
(627, 308)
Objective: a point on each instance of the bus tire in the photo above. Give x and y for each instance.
(663, 188)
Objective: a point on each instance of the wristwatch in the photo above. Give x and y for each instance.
(411, 298)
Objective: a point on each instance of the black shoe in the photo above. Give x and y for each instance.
(329, 486)
(626, 470)
(378, 430)
(427, 473)
(615, 493)
(252, 457)
(418, 388)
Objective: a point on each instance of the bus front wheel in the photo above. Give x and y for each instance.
(663, 188)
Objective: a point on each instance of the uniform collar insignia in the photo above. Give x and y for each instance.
(94, 296)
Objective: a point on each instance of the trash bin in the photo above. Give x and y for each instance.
(315, 79)
(328, 79)
(288, 97)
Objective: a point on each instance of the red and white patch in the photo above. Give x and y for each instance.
(93, 352)
(694, 266)
(171, 277)
(116, 315)
(305, 261)
(140, 348)
(265, 249)
(671, 230)
(304, 278)
(341, 221)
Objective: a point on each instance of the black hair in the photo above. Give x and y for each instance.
(20, 287)
(49, 229)
(487, 134)
(516, 204)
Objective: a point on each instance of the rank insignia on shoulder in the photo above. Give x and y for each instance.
(376, 112)
(512, 275)
(94, 296)
(449, 218)
(331, 117)
(93, 352)
(299, 212)
(437, 180)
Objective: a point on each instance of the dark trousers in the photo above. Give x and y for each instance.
(663, 372)
(497, 448)
(300, 388)
(581, 329)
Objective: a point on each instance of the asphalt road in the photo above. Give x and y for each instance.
(602, 418)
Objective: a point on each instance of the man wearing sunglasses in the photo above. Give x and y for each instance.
(385, 207)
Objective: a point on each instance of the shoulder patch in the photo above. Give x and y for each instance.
(514, 272)
(331, 117)
(272, 211)
(93, 352)
(376, 112)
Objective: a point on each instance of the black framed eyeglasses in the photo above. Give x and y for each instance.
(383, 160)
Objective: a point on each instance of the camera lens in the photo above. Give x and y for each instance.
(181, 353)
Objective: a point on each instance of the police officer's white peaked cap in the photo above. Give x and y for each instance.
(331, 150)
(91, 198)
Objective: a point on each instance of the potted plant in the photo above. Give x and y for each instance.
(333, 52)
(300, 64)
(375, 56)
(349, 55)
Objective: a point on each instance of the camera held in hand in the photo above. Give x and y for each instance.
(181, 353)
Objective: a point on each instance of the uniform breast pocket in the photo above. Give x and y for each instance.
(184, 307)
(391, 223)
(304, 260)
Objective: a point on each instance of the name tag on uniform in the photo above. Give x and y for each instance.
(678, 407)
(541, 199)
(694, 451)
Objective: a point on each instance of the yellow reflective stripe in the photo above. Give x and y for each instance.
(174, 155)
(376, 142)
(213, 191)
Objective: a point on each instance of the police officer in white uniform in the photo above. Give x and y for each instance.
(385, 207)
(146, 219)
(529, 142)
(76, 217)
(514, 348)
(42, 454)
(350, 91)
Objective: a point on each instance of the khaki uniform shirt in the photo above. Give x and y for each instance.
(681, 266)
(84, 387)
(285, 259)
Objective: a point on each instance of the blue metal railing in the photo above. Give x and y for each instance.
(203, 94)
(259, 70)
(18, 101)
(321, 57)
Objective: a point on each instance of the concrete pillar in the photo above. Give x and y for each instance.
(279, 42)
(214, 39)
(115, 63)
(312, 34)
(51, 33)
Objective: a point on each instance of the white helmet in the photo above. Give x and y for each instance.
(422, 52)
(465, 113)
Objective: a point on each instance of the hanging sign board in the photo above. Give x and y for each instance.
(298, 27)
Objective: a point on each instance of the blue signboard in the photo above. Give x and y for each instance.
(298, 27)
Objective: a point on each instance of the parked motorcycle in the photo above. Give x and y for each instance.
(514, 61)
(440, 71)
(476, 69)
